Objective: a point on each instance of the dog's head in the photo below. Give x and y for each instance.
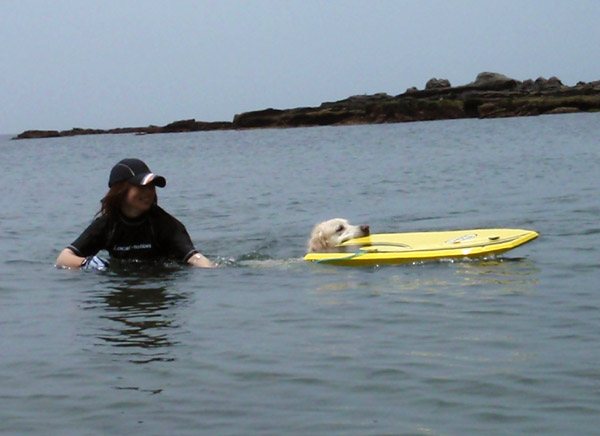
(328, 234)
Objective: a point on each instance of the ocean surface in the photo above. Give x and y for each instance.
(268, 344)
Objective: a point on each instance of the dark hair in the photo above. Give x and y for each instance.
(111, 203)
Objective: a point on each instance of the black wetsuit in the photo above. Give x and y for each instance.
(155, 234)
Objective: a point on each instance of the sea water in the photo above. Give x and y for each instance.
(267, 344)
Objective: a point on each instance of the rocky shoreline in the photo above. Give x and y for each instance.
(491, 95)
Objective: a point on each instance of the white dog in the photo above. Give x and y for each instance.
(328, 234)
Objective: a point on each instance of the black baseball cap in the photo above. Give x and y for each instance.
(136, 172)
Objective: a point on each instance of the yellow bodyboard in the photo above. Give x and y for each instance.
(392, 248)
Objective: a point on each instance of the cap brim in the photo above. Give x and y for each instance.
(148, 179)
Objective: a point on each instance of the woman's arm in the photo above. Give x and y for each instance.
(68, 259)
(200, 261)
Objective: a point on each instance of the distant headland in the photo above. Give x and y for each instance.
(491, 95)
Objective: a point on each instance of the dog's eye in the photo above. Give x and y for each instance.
(340, 229)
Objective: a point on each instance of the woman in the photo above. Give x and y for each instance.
(131, 225)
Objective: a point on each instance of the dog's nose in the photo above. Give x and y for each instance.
(365, 229)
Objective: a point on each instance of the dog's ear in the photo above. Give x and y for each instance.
(318, 241)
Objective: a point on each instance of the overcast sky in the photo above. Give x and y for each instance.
(107, 63)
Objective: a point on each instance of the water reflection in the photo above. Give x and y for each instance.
(504, 275)
(140, 304)
(485, 276)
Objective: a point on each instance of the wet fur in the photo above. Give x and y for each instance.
(327, 234)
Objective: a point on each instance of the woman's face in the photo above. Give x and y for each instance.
(138, 200)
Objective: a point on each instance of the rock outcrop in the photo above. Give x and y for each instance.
(491, 95)
(174, 127)
(437, 84)
(493, 82)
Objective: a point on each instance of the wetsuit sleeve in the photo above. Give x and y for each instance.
(92, 240)
(174, 237)
(181, 245)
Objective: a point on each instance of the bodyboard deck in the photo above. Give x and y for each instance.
(394, 248)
